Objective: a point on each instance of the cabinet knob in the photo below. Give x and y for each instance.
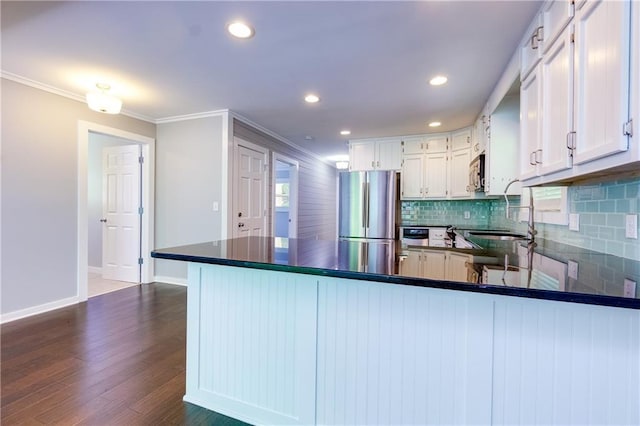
(532, 159)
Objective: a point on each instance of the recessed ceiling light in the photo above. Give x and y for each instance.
(345, 132)
(438, 80)
(311, 98)
(435, 124)
(308, 138)
(240, 30)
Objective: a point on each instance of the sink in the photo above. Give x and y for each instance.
(505, 236)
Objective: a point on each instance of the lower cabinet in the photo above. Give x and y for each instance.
(435, 265)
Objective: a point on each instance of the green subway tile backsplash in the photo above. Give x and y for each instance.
(602, 208)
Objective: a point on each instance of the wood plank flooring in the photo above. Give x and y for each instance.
(118, 359)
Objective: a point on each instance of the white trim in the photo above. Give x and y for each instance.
(64, 93)
(94, 269)
(279, 138)
(195, 116)
(163, 279)
(40, 309)
(226, 154)
(148, 189)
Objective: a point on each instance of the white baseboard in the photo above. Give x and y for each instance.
(40, 309)
(94, 269)
(170, 280)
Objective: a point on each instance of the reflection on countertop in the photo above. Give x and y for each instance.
(501, 267)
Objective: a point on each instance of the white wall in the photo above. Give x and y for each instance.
(39, 194)
(188, 181)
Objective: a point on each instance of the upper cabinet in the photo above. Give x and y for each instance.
(575, 115)
(375, 154)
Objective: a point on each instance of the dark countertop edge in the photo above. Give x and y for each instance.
(583, 298)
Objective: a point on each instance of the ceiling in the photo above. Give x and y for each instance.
(369, 62)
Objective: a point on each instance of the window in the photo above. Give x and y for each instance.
(282, 194)
(550, 204)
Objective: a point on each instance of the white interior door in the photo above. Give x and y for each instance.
(121, 215)
(250, 211)
(285, 197)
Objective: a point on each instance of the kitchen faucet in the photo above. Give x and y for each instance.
(531, 232)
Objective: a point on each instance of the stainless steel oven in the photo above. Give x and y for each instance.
(414, 235)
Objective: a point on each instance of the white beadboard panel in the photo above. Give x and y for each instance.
(565, 363)
(251, 343)
(393, 355)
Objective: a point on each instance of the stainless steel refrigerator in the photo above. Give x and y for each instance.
(367, 221)
(367, 205)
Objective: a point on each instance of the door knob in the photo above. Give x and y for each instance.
(103, 220)
(240, 225)
(240, 214)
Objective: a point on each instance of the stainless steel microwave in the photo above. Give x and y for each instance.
(476, 174)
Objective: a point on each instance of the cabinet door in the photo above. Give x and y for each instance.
(456, 269)
(437, 143)
(459, 173)
(530, 52)
(435, 172)
(433, 264)
(361, 156)
(389, 155)
(410, 264)
(411, 178)
(413, 145)
(529, 124)
(557, 105)
(602, 36)
(556, 15)
(461, 139)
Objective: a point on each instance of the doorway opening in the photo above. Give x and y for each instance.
(284, 203)
(115, 209)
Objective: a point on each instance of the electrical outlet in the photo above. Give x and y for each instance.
(467, 215)
(629, 288)
(574, 222)
(631, 227)
(572, 269)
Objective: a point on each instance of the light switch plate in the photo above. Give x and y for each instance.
(572, 269)
(574, 222)
(467, 215)
(629, 288)
(631, 226)
(216, 207)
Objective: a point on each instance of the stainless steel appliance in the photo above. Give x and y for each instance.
(367, 205)
(476, 173)
(374, 256)
(414, 236)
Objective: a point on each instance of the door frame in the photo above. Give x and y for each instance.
(147, 145)
(237, 142)
(293, 193)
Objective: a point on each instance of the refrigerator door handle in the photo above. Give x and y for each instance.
(365, 201)
(368, 197)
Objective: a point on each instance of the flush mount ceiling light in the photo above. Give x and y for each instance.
(438, 80)
(345, 132)
(342, 165)
(102, 101)
(311, 98)
(240, 30)
(435, 124)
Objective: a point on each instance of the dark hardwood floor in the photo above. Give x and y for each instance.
(118, 359)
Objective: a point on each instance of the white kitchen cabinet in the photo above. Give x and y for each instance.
(461, 139)
(424, 167)
(529, 123)
(530, 52)
(602, 36)
(379, 154)
(478, 139)
(459, 173)
(434, 264)
(457, 266)
(410, 264)
(556, 15)
(503, 148)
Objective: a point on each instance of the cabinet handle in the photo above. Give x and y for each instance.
(532, 160)
(476, 147)
(378, 164)
(539, 151)
(468, 190)
(468, 139)
(373, 164)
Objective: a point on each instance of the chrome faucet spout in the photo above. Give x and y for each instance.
(531, 232)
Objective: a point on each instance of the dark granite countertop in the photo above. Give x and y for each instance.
(600, 277)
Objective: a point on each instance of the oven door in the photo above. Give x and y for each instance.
(414, 236)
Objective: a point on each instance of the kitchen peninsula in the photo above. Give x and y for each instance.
(325, 332)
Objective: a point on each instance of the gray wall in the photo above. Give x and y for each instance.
(188, 181)
(94, 185)
(39, 200)
(316, 184)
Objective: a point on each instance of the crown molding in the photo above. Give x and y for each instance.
(279, 138)
(64, 93)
